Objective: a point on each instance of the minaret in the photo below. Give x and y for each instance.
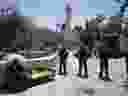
(68, 18)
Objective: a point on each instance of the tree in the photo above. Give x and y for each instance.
(121, 13)
(124, 5)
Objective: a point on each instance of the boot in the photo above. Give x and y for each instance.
(65, 73)
(85, 76)
(107, 78)
(79, 75)
(100, 75)
(60, 73)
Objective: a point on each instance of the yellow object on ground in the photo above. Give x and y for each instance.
(41, 74)
(39, 71)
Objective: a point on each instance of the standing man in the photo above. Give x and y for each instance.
(63, 55)
(83, 56)
(124, 51)
(104, 66)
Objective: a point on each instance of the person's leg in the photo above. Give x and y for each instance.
(60, 67)
(76, 65)
(80, 67)
(85, 67)
(64, 68)
(101, 69)
(106, 66)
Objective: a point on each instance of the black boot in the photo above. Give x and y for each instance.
(60, 70)
(79, 75)
(65, 73)
(101, 76)
(60, 73)
(85, 76)
(106, 65)
(107, 78)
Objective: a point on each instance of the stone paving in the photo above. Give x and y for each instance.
(74, 86)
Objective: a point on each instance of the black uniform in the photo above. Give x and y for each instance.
(110, 49)
(104, 66)
(63, 55)
(125, 53)
(83, 55)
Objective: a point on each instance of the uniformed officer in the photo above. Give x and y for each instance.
(63, 55)
(83, 56)
(124, 51)
(104, 66)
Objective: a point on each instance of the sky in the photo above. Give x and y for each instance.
(7, 3)
(56, 7)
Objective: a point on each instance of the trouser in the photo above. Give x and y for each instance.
(83, 63)
(126, 62)
(62, 66)
(104, 67)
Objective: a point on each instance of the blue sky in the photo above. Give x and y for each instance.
(56, 7)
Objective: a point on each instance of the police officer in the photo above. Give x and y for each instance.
(104, 66)
(83, 56)
(63, 55)
(124, 52)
